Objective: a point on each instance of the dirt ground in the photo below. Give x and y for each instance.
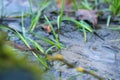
(101, 56)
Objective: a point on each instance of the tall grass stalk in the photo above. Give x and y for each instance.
(37, 46)
(75, 5)
(61, 13)
(108, 21)
(86, 5)
(54, 33)
(49, 41)
(80, 24)
(35, 19)
(22, 21)
(115, 8)
(30, 3)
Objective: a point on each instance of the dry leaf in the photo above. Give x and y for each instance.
(68, 4)
(47, 28)
(21, 47)
(90, 16)
(18, 46)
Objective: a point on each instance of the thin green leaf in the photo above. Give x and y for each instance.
(113, 28)
(54, 33)
(79, 24)
(58, 22)
(75, 5)
(36, 45)
(36, 19)
(108, 20)
(30, 3)
(49, 49)
(54, 43)
(42, 60)
(22, 38)
(22, 21)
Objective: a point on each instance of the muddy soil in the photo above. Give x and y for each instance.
(101, 56)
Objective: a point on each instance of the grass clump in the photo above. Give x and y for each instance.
(55, 42)
(115, 7)
(35, 19)
(81, 25)
(86, 5)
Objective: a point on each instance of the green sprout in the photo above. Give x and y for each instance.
(115, 8)
(35, 19)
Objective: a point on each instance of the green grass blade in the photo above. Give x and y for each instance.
(54, 33)
(75, 5)
(80, 24)
(36, 19)
(43, 61)
(61, 12)
(30, 3)
(108, 21)
(44, 39)
(86, 26)
(22, 21)
(49, 41)
(5, 27)
(22, 38)
(86, 5)
(36, 45)
(44, 5)
(49, 49)
(58, 22)
(113, 28)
